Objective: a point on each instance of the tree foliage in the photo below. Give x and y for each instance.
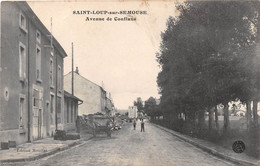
(151, 108)
(139, 104)
(207, 56)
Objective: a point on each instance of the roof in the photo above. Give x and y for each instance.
(33, 17)
(84, 79)
(67, 94)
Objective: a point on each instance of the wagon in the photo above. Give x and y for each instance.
(101, 124)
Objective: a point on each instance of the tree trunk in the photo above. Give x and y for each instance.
(216, 117)
(201, 119)
(255, 115)
(248, 114)
(173, 117)
(226, 118)
(210, 119)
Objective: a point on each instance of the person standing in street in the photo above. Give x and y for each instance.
(142, 125)
(134, 124)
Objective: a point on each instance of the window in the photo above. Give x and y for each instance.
(22, 61)
(37, 98)
(21, 110)
(22, 22)
(59, 109)
(38, 63)
(59, 78)
(51, 72)
(52, 110)
(52, 51)
(38, 36)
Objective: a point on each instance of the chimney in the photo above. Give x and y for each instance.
(77, 70)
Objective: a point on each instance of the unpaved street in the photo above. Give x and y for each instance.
(130, 147)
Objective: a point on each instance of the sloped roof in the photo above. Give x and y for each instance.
(84, 79)
(67, 94)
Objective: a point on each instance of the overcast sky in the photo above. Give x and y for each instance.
(121, 54)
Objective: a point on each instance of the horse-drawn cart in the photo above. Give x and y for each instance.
(100, 124)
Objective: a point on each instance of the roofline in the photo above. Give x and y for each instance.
(71, 96)
(29, 13)
(86, 79)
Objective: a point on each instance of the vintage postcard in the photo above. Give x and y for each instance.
(128, 82)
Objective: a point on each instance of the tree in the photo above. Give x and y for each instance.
(150, 107)
(139, 104)
(206, 57)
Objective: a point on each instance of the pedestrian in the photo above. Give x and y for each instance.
(134, 124)
(142, 125)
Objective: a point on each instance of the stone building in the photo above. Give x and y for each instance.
(31, 76)
(110, 108)
(94, 97)
(132, 112)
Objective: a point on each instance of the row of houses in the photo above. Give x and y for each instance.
(35, 98)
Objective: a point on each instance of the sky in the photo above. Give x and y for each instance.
(121, 54)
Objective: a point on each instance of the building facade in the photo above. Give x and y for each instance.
(71, 104)
(132, 112)
(31, 75)
(110, 108)
(94, 97)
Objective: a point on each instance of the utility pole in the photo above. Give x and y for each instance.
(72, 72)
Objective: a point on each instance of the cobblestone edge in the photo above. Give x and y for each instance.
(207, 149)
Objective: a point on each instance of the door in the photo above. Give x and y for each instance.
(35, 123)
(37, 113)
(48, 119)
(40, 123)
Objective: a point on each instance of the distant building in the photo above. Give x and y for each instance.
(31, 76)
(132, 112)
(110, 108)
(94, 97)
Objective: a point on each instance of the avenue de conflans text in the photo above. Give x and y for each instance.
(110, 19)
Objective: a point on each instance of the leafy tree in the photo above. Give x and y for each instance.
(139, 104)
(150, 107)
(206, 57)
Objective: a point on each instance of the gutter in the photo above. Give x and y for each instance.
(81, 102)
(28, 84)
(56, 92)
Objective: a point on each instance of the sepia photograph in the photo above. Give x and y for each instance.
(130, 83)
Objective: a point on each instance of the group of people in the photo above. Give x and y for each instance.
(142, 124)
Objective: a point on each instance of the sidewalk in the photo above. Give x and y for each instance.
(39, 149)
(216, 150)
